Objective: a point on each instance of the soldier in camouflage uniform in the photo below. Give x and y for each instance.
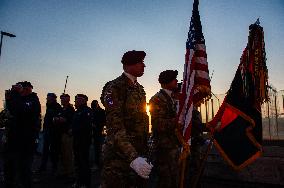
(163, 118)
(127, 127)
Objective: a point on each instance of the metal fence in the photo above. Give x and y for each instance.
(272, 113)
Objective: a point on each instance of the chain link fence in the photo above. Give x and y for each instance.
(272, 113)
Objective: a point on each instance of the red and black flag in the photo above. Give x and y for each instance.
(239, 132)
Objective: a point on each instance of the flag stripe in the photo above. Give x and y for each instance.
(196, 82)
(201, 61)
(200, 53)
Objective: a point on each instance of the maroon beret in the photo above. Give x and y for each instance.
(167, 76)
(132, 57)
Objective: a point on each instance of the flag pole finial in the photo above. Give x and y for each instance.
(257, 22)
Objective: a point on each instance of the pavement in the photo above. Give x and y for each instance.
(48, 179)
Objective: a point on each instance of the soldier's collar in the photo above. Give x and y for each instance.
(131, 77)
(169, 92)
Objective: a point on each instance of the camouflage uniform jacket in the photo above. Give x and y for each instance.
(165, 152)
(126, 119)
(163, 119)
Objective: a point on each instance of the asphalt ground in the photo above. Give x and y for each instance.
(49, 179)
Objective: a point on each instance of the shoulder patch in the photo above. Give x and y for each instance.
(111, 92)
(108, 98)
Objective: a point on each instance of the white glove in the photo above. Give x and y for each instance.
(141, 167)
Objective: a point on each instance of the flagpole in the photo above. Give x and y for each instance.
(183, 165)
(202, 165)
(216, 98)
(212, 109)
(209, 147)
(268, 116)
(65, 84)
(276, 115)
(206, 110)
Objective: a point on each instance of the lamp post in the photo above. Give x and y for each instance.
(5, 34)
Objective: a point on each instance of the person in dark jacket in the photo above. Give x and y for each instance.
(63, 122)
(81, 130)
(51, 132)
(22, 130)
(98, 125)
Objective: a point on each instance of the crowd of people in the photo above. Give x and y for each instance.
(67, 136)
(125, 158)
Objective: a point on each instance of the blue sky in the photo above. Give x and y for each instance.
(86, 39)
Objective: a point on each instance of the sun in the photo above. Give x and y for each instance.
(147, 108)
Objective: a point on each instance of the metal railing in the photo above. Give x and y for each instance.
(272, 113)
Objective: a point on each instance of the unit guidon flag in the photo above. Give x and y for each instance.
(238, 136)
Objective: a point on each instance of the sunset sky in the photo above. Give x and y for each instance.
(86, 39)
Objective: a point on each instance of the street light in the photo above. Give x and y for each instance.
(5, 34)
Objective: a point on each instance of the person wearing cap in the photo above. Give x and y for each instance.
(127, 127)
(82, 135)
(163, 119)
(24, 108)
(63, 122)
(51, 133)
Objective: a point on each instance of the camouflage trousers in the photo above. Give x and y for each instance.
(165, 171)
(192, 166)
(118, 174)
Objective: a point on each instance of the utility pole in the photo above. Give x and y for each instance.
(5, 34)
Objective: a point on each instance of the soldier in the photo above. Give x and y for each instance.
(24, 107)
(51, 133)
(64, 123)
(164, 124)
(127, 126)
(81, 130)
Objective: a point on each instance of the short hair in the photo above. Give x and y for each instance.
(63, 95)
(53, 95)
(81, 96)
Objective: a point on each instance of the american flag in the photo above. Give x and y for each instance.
(196, 81)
